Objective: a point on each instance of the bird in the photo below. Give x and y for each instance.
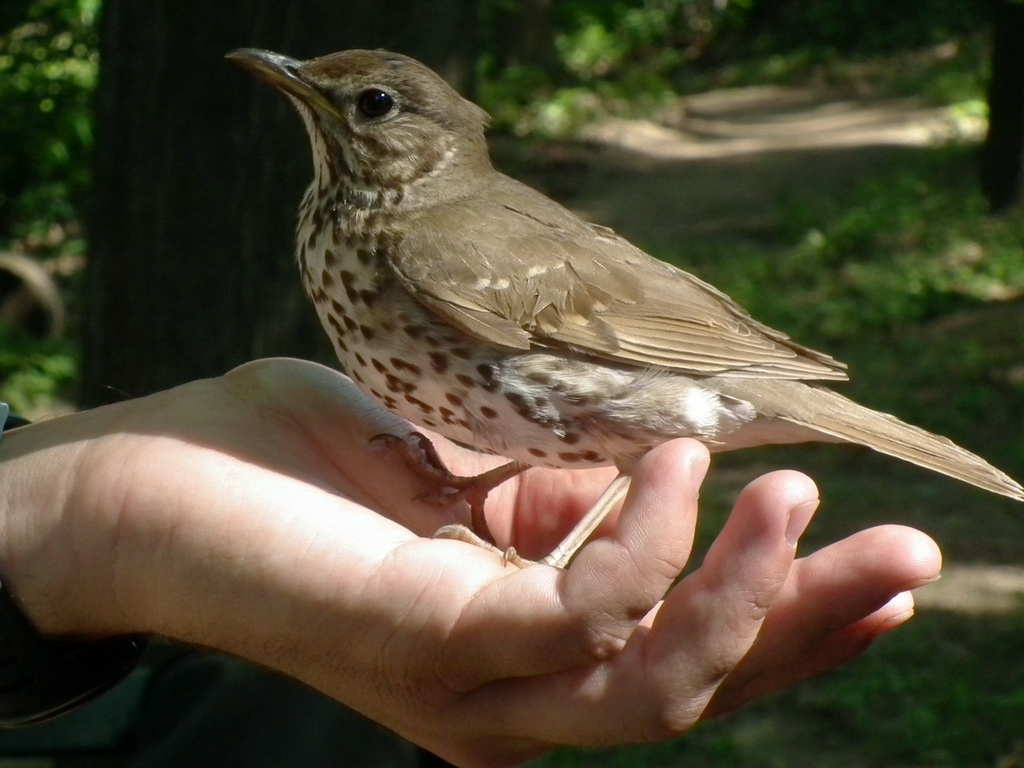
(473, 305)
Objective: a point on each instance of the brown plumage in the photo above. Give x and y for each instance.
(472, 304)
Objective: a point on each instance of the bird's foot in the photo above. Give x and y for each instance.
(419, 454)
(460, 532)
(562, 555)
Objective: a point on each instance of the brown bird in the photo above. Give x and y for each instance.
(470, 303)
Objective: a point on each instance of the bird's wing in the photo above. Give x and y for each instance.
(545, 278)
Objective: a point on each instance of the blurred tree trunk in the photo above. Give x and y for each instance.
(198, 174)
(525, 36)
(1002, 157)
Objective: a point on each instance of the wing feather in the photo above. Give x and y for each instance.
(550, 280)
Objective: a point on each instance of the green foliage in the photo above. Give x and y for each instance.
(914, 715)
(48, 66)
(927, 696)
(863, 27)
(633, 56)
(48, 70)
(912, 243)
(34, 373)
(599, 40)
(620, 58)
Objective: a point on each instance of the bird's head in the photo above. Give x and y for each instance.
(379, 123)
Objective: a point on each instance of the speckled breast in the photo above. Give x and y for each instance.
(429, 372)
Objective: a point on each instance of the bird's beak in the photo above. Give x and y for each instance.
(282, 72)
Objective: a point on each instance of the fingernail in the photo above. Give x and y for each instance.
(698, 467)
(902, 607)
(924, 582)
(799, 517)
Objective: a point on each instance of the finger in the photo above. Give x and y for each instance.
(660, 683)
(709, 623)
(836, 603)
(617, 580)
(549, 619)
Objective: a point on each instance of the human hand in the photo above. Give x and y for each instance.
(251, 513)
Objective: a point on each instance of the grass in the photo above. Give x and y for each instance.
(927, 696)
(911, 243)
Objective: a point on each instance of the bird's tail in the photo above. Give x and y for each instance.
(834, 416)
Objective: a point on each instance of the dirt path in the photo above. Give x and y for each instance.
(718, 165)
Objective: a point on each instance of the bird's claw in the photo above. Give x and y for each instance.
(458, 532)
(420, 455)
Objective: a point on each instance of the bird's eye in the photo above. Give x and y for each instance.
(373, 102)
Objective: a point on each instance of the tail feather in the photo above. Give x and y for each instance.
(829, 413)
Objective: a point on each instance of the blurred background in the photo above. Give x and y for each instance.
(848, 170)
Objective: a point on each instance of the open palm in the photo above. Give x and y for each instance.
(252, 513)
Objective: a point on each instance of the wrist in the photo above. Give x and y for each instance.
(44, 677)
(42, 559)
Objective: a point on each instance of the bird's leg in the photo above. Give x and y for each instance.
(420, 455)
(577, 537)
(459, 532)
(567, 548)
